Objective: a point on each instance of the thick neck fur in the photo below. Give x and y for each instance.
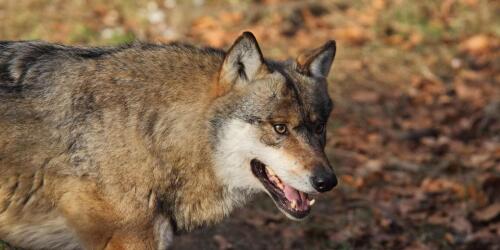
(178, 132)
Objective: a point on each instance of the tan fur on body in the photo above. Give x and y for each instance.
(112, 149)
(116, 103)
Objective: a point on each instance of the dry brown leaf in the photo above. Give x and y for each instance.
(477, 45)
(352, 181)
(439, 185)
(204, 22)
(488, 213)
(373, 165)
(417, 245)
(222, 242)
(231, 18)
(486, 234)
(449, 238)
(355, 35)
(470, 3)
(467, 93)
(364, 96)
(461, 224)
(216, 37)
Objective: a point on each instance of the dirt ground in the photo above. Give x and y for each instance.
(415, 134)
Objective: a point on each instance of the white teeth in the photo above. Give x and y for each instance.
(270, 172)
(294, 204)
(311, 202)
(274, 178)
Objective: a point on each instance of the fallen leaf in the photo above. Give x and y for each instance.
(441, 184)
(365, 96)
(461, 224)
(477, 45)
(466, 92)
(488, 213)
(355, 35)
(222, 242)
(417, 246)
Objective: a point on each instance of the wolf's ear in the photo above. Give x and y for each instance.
(243, 61)
(317, 62)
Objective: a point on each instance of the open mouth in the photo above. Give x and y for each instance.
(290, 200)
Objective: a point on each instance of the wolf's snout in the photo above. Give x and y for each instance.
(323, 179)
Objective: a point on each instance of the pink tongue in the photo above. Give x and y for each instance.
(291, 193)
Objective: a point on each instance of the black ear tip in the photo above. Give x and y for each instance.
(246, 38)
(249, 35)
(331, 44)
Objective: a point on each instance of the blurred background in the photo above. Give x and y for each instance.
(414, 137)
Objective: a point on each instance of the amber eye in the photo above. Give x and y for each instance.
(280, 128)
(320, 128)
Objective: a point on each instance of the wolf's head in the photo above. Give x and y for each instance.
(269, 124)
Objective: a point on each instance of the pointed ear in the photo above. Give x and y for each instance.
(244, 60)
(317, 62)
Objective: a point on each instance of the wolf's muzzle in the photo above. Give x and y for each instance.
(323, 179)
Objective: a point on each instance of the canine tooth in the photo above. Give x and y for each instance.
(294, 204)
(311, 202)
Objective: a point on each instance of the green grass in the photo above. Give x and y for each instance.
(421, 17)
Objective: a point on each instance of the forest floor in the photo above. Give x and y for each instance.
(415, 133)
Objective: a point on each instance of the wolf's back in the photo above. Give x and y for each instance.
(11, 54)
(31, 100)
(18, 57)
(23, 62)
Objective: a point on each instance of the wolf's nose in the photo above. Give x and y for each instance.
(324, 181)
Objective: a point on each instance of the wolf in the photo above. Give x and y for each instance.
(120, 147)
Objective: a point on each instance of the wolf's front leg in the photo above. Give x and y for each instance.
(160, 237)
(101, 222)
(163, 232)
(132, 241)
